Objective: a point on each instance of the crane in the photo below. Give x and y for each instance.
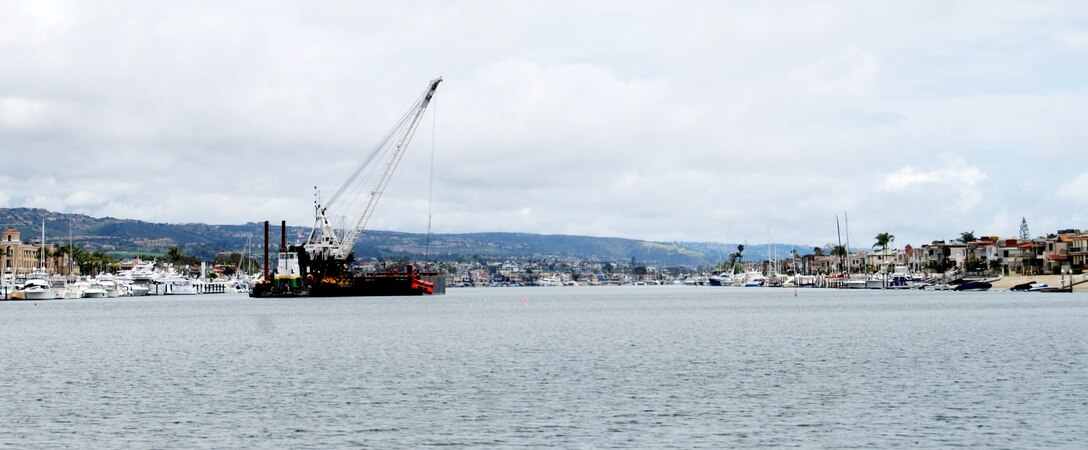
(325, 245)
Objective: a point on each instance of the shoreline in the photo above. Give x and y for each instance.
(1008, 281)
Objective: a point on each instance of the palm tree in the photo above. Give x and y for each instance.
(882, 241)
(740, 255)
(967, 237)
(58, 257)
(840, 251)
(174, 254)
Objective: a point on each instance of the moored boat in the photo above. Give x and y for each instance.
(37, 285)
(974, 286)
(94, 290)
(36, 288)
(179, 286)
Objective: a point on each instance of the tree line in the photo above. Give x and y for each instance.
(94, 262)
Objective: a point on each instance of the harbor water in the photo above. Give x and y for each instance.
(634, 366)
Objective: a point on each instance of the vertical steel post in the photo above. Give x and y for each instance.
(266, 231)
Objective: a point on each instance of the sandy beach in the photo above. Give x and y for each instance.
(1009, 281)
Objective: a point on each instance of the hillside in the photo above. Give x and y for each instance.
(125, 237)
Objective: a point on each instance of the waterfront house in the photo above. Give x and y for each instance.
(1078, 252)
(1031, 256)
(1055, 254)
(875, 261)
(1008, 252)
(941, 256)
(982, 254)
(823, 264)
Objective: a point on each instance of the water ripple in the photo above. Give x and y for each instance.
(580, 367)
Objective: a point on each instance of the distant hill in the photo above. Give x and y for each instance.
(125, 237)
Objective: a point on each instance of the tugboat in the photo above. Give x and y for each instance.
(322, 266)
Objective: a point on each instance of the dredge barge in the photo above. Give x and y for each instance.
(322, 265)
(296, 275)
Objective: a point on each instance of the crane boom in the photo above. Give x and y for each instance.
(323, 243)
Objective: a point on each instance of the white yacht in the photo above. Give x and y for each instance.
(548, 281)
(7, 283)
(856, 281)
(722, 279)
(900, 278)
(71, 291)
(36, 287)
(113, 289)
(238, 285)
(178, 285)
(752, 279)
(94, 289)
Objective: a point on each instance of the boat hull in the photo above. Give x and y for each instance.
(366, 285)
(175, 289)
(36, 295)
(974, 286)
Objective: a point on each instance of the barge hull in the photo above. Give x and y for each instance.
(368, 285)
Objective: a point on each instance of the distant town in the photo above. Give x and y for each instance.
(1061, 252)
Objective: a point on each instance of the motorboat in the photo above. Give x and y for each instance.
(178, 285)
(549, 281)
(113, 289)
(856, 281)
(71, 291)
(752, 279)
(94, 290)
(36, 287)
(800, 281)
(900, 278)
(138, 290)
(1029, 286)
(974, 286)
(722, 279)
(59, 286)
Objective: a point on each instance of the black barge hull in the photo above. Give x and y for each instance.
(369, 285)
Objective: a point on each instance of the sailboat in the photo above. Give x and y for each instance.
(71, 290)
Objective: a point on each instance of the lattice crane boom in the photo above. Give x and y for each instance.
(323, 242)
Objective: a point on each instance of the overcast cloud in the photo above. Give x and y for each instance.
(675, 121)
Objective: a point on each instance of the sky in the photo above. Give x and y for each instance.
(670, 121)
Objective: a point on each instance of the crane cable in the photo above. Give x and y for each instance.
(430, 184)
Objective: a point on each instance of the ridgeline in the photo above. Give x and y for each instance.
(125, 237)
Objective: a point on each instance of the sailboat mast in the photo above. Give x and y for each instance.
(43, 245)
(846, 221)
(70, 250)
(838, 231)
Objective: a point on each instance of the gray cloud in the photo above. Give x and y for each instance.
(690, 121)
